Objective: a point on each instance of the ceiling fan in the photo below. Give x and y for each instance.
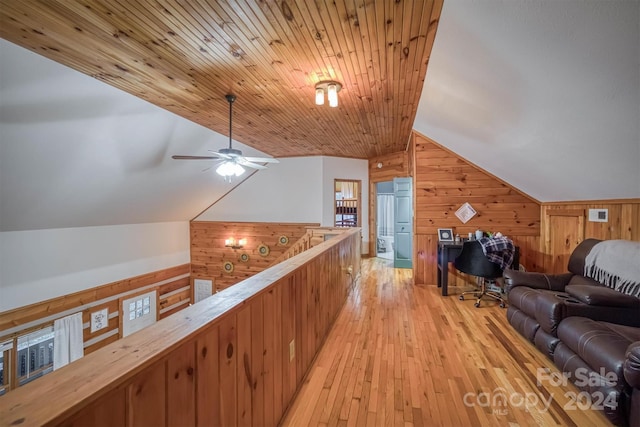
(232, 159)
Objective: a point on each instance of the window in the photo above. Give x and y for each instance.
(5, 354)
(34, 355)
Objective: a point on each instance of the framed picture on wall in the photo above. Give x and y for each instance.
(445, 235)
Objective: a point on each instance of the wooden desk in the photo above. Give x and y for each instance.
(447, 252)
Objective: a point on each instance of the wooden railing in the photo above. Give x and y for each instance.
(236, 358)
(313, 237)
(299, 246)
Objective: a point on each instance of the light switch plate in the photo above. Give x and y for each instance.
(292, 350)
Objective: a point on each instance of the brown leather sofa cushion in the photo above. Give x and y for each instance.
(600, 344)
(523, 323)
(524, 298)
(582, 280)
(602, 296)
(613, 397)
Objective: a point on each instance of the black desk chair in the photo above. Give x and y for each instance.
(473, 261)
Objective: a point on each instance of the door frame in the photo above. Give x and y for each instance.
(358, 200)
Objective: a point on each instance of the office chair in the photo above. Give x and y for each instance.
(473, 261)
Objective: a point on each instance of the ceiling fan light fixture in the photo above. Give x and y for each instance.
(232, 159)
(228, 169)
(331, 88)
(237, 169)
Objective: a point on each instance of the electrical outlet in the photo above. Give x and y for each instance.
(292, 350)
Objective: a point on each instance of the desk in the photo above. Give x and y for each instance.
(447, 252)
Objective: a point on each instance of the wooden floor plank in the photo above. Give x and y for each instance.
(404, 355)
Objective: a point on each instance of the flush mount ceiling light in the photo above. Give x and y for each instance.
(331, 88)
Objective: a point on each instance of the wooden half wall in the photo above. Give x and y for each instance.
(236, 358)
(209, 254)
(443, 181)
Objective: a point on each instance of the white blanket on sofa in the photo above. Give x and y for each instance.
(616, 264)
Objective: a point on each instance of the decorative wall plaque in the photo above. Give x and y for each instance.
(283, 240)
(465, 213)
(228, 267)
(244, 257)
(263, 250)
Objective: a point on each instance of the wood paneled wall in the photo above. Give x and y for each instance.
(236, 358)
(565, 224)
(394, 165)
(208, 252)
(443, 181)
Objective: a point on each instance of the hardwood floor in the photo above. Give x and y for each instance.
(400, 354)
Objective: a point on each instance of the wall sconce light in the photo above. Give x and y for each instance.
(235, 244)
(331, 88)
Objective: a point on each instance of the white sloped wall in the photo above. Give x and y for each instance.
(298, 189)
(37, 265)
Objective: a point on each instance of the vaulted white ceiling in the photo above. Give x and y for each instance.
(76, 152)
(544, 94)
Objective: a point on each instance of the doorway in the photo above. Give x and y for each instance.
(347, 203)
(394, 221)
(403, 222)
(384, 220)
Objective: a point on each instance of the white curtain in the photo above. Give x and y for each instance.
(385, 215)
(348, 190)
(67, 340)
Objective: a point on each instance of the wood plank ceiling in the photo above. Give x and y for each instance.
(184, 56)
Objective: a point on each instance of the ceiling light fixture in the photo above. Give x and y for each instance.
(331, 88)
(233, 162)
(229, 168)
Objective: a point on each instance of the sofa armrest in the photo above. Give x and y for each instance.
(602, 296)
(631, 365)
(554, 282)
(552, 308)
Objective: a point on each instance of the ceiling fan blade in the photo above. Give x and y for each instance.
(262, 159)
(222, 155)
(195, 157)
(251, 165)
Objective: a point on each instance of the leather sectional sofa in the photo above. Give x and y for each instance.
(591, 331)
